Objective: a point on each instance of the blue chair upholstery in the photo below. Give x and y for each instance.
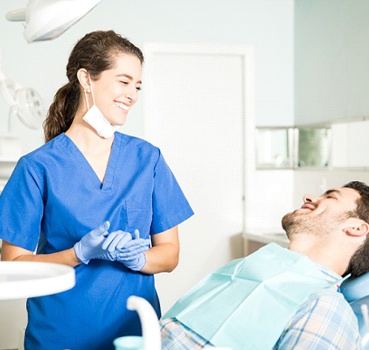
(356, 292)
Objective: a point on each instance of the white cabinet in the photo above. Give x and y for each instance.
(13, 322)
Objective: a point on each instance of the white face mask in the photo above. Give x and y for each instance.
(97, 120)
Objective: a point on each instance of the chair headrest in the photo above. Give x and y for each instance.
(354, 288)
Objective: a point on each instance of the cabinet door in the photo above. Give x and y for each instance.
(195, 103)
(13, 322)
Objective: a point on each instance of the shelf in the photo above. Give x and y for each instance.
(19, 279)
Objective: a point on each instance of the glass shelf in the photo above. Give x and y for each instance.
(337, 145)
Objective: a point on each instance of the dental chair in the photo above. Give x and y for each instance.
(356, 292)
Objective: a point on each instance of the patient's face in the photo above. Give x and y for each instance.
(323, 214)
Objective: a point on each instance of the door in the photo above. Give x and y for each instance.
(198, 109)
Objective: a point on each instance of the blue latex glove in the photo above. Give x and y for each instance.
(132, 253)
(91, 245)
(125, 245)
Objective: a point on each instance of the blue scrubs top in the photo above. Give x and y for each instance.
(53, 199)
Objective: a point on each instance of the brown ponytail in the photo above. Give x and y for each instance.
(61, 111)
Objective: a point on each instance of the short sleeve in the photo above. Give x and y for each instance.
(170, 206)
(21, 207)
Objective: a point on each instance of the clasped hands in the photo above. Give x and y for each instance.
(114, 246)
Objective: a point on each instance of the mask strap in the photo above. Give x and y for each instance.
(88, 105)
(92, 91)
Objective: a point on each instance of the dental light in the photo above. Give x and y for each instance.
(25, 102)
(48, 19)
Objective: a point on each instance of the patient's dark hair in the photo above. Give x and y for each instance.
(359, 262)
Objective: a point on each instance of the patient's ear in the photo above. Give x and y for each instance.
(356, 227)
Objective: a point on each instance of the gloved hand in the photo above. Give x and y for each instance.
(132, 253)
(91, 245)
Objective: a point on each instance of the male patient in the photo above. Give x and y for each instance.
(295, 303)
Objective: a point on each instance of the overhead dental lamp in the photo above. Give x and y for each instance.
(48, 19)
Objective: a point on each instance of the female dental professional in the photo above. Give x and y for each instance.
(95, 199)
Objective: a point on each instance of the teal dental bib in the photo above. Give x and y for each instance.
(247, 303)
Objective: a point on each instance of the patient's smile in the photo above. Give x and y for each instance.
(308, 206)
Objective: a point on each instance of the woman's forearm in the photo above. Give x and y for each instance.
(161, 258)
(10, 252)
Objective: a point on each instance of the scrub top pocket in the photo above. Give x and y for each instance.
(138, 216)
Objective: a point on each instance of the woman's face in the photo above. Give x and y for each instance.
(116, 90)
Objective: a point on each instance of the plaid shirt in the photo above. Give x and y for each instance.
(324, 322)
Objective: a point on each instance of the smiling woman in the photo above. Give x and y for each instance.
(116, 93)
(95, 199)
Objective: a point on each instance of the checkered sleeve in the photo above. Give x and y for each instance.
(176, 336)
(324, 322)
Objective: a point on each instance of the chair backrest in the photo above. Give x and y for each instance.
(356, 292)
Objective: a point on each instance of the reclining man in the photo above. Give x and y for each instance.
(278, 298)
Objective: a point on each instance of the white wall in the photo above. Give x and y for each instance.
(272, 194)
(331, 60)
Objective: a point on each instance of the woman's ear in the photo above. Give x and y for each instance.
(83, 78)
(357, 228)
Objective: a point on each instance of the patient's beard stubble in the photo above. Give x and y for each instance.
(322, 224)
(290, 224)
